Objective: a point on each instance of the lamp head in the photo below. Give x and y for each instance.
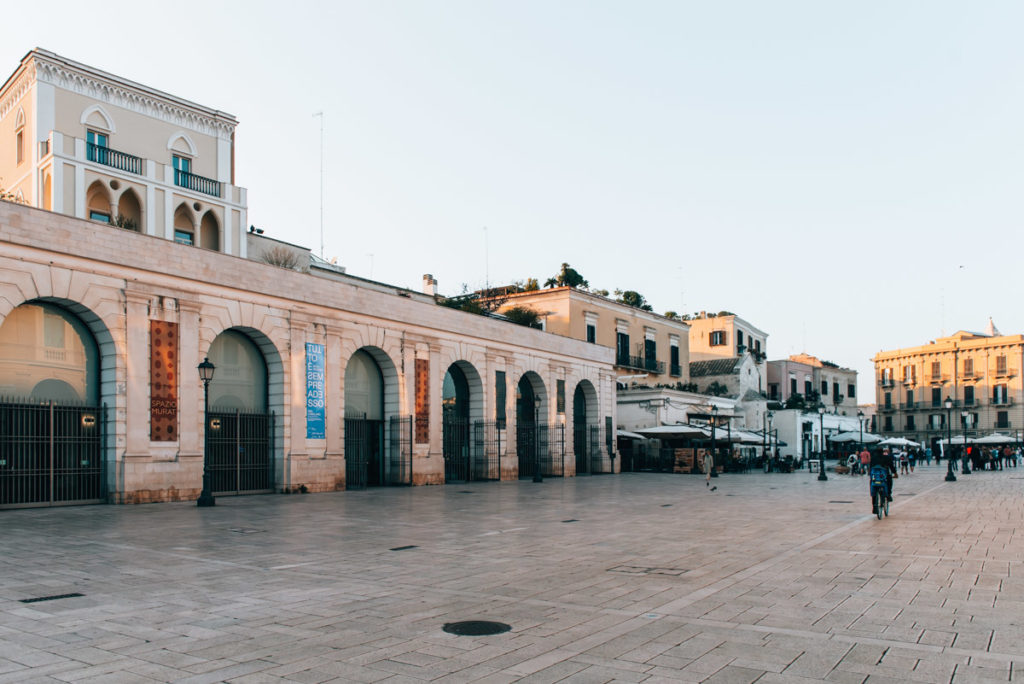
(948, 403)
(821, 409)
(206, 371)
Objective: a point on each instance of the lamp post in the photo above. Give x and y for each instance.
(714, 422)
(764, 437)
(206, 375)
(821, 443)
(965, 467)
(860, 422)
(950, 477)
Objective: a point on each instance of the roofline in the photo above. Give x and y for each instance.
(603, 299)
(40, 53)
(745, 322)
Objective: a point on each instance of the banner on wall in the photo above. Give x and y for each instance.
(315, 392)
(163, 381)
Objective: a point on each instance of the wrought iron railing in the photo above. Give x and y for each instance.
(640, 363)
(113, 158)
(675, 370)
(207, 186)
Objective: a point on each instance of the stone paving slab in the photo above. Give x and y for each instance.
(629, 578)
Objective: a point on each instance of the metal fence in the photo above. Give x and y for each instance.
(540, 447)
(595, 450)
(488, 438)
(456, 448)
(51, 454)
(363, 450)
(239, 452)
(398, 470)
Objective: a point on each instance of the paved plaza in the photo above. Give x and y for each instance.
(629, 578)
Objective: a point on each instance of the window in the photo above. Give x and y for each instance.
(1000, 365)
(936, 370)
(717, 338)
(824, 388)
(650, 353)
(910, 422)
(888, 400)
(591, 333)
(851, 391)
(740, 347)
(835, 391)
(499, 398)
(968, 395)
(182, 237)
(96, 148)
(182, 164)
(100, 216)
(53, 330)
(887, 376)
(676, 369)
(935, 421)
(757, 346)
(936, 396)
(807, 386)
(1002, 419)
(792, 384)
(968, 368)
(19, 136)
(773, 390)
(622, 349)
(999, 394)
(888, 423)
(909, 373)
(910, 398)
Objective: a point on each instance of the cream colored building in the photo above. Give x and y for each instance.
(650, 346)
(980, 373)
(807, 375)
(723, 336)
(82, 142)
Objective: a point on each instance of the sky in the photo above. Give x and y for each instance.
(845, 176)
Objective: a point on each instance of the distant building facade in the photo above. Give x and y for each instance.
(980, 373)
(813, 380)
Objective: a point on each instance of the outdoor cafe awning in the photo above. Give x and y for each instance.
(628, 435)
(673, 431)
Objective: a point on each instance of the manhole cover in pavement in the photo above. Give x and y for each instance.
(476, 628)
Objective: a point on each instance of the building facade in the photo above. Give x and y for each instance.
(321, 382)
(979, 373)
(813, 380)
(85, 143)
(652, 347)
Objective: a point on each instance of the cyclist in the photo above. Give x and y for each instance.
(882, 459)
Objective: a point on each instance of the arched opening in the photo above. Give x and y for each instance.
(97, 202)
(239, 429)
(465, 454)
(51, 419)
(531, 433)
(209, 232)
(129, 211)
(586, 429)
(377, 452)
(184, 226)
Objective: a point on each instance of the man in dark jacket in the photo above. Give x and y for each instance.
(882, 459)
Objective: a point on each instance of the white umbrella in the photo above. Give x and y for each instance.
(898, 441)
(959, 441)
(995, 438)
(868, 438)
(628, 435)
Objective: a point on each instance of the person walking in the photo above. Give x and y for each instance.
(928, 456)
(882, 459)
(911, 458)
(865, 459)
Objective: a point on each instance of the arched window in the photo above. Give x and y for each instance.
(184, 226)
(97, 202)
(209, 232)
(19, 136)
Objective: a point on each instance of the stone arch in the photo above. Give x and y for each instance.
(271, 357)
(389, 376)
(370, 400)
(184, 225)
(209, 232)
(531, 390)
(474, 386)
(97, 117)
(180, 142)
(98, 204)
(129, 211)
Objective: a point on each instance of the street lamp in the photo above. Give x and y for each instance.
(950, 477)
(764, 436)
(965, 467)
(821, 443)
(206, 375)
(714, 456)
(860, 422)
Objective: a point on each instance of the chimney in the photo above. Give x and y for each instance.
(429, 285)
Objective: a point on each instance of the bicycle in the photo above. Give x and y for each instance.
(879, 491)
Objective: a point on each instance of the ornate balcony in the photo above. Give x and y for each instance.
(190, 181)
(113, 158)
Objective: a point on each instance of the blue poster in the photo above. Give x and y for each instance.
(315, 396)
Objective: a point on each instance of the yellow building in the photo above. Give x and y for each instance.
(653, 347)
(82, 142)
(980, 374)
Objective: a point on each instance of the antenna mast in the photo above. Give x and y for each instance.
(321, 115)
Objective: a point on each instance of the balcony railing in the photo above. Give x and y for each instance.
(675, 370)
(1005, 372)
(937, 379)
(113, 158)
(640, 363)
(190, 181)
(886, 382)
(910, 405)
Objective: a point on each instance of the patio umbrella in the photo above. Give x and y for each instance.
(995, 438)
(898, 441)
(628, 435)
(869, 438)
(959, 441)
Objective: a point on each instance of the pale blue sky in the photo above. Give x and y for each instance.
(822, 169)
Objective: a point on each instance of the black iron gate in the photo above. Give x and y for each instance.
(487, 443)
(528, 448)
(364, 441)
(51, 454)
(239, 452)
(455, 447)
(399, 465)
(580, 448)
(553, 450)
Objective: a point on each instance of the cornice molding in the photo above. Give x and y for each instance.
(123, 95)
